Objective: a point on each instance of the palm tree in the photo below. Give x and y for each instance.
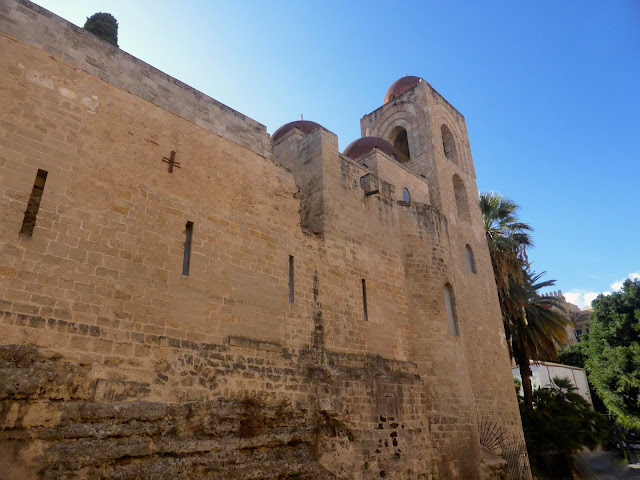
(507, 239)
(533, 324)
(540, 328)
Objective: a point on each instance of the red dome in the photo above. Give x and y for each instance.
(364, 145)
(304, 125)
(400, 86)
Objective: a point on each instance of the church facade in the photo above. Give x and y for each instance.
(183, 295)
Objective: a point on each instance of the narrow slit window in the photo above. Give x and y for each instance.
(29, 221)
(187, 248)
(450, 309)
(364, 301)
(291, 279)
(460, 194)
(471, 263)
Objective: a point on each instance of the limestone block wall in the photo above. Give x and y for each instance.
(303, 158)
(212, 322)
(404, 254)
(422, 111)
(475, 293)
(362, 245)
(359, 242)
(98, 289)
(107, 248)
(390, 170)
(435, 349)
(45, 30)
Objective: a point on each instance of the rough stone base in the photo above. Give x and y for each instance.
(493, 467)
(50, 428)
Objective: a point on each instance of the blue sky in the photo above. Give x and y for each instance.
(550, 92)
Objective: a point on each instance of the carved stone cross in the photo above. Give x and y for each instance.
(171, 161)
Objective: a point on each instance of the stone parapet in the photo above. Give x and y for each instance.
(33, 24)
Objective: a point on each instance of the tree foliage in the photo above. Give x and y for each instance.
(572, 355)
(562, 421)
(533, 324)
(539, 327)
(612, 350)
(508, 239)
(104, 26)
(543, 322)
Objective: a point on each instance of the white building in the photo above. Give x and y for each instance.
(543, 373)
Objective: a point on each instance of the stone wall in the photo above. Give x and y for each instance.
(385, 167)
(422, 111)
(81, 49)
(116, 362)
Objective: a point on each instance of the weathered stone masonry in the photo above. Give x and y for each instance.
(113, 364)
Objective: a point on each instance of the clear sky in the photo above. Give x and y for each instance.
(550, 92)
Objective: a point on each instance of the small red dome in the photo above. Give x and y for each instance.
(304, 125)
(364, 145)
(400, 86)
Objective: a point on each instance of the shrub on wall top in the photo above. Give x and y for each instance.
(104, 26)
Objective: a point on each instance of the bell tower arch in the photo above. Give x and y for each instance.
(431, 136)
(398, 138)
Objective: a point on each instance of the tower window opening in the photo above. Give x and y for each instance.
(291, 297)
(186, 261)
(448, 144)
(406, 197)
(364, 300)
(471, 263)
(450, 308)
(400, 141)
(460, 193)
(30, 214)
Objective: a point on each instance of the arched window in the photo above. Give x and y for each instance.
(448, 144)
(400, 140)
(471, 261)
(460, 193)
(450, 308)
(405, 195)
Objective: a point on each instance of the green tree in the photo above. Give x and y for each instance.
(538, 329)
(532, 323)
(612, 350)
(507, 239)
(103, 25)
(561, 422)
(572, 355)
